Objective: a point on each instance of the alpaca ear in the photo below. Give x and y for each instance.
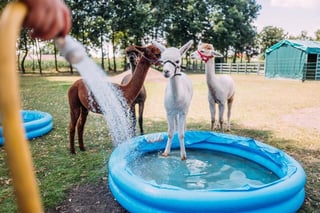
(131, 48)
(138, 48)
(185, 47)
(160, 46)
(216, 53)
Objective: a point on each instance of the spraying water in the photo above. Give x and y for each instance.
(110, 99)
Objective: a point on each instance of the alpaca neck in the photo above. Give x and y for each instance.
(133, 87)
(132, 66)
(175, 87)
(210, 70)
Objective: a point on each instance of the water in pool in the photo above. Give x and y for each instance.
(203, 169)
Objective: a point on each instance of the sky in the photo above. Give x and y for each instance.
(293, 16)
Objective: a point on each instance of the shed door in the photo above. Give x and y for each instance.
(311, 66)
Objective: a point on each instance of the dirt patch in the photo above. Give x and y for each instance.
(89, 198)
(307, 118)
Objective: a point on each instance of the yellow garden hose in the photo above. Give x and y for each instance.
(16, 146)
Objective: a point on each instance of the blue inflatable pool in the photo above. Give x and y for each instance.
(36, 123)
(136, 194)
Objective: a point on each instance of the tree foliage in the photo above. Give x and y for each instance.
(232, 24)
(269, 36)
(302, 36)
(317, 34)
(227, 24)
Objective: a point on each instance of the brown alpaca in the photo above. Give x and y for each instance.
(134, 57)
(80, 99)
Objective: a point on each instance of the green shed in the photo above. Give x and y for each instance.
(296, 59)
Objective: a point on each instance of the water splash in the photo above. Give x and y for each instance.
(110, 99)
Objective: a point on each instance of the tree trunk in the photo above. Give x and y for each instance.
(18, 58)
(23, 69)
(71, 69)
(39, 56)
(109, 62)
(102, 52)
(114, 54)
(234, 57)
(55, 57)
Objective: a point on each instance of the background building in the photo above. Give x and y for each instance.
(295, 59)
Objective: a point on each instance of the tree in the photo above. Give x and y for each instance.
(302, 36)
(182, 22)
(246, 12)
(232, 24)
(23, 47)
(269, 36)
(126, 21)
(227, 24)
(317, 34)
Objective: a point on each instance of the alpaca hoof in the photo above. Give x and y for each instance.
(72, 152)
(82, 149)
(165, 154)
(183, 158)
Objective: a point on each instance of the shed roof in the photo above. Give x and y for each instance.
(312, 47)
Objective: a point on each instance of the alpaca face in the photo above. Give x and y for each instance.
(205, 51)
(133, 56)
(171, 58)
(171, 61)
(151, 52)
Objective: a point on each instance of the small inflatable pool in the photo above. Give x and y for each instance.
(36, 123)
(137, 192)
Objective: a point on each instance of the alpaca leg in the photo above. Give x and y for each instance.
(74, 116)
(141, 108)
(230, 101)
(221, 111)
(171, 121)
(80, 125)
(181, 127)
(213, 114)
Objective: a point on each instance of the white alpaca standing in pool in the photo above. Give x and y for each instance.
(178, 94)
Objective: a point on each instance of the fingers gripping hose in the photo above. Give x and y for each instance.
(18, 155)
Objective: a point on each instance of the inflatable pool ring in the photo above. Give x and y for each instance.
(136, 194)
(36, 123)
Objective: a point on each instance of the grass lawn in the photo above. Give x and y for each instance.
(282, 113)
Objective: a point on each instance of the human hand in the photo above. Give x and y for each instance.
(48, 19)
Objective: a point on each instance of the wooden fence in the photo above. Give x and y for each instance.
(246, 68)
